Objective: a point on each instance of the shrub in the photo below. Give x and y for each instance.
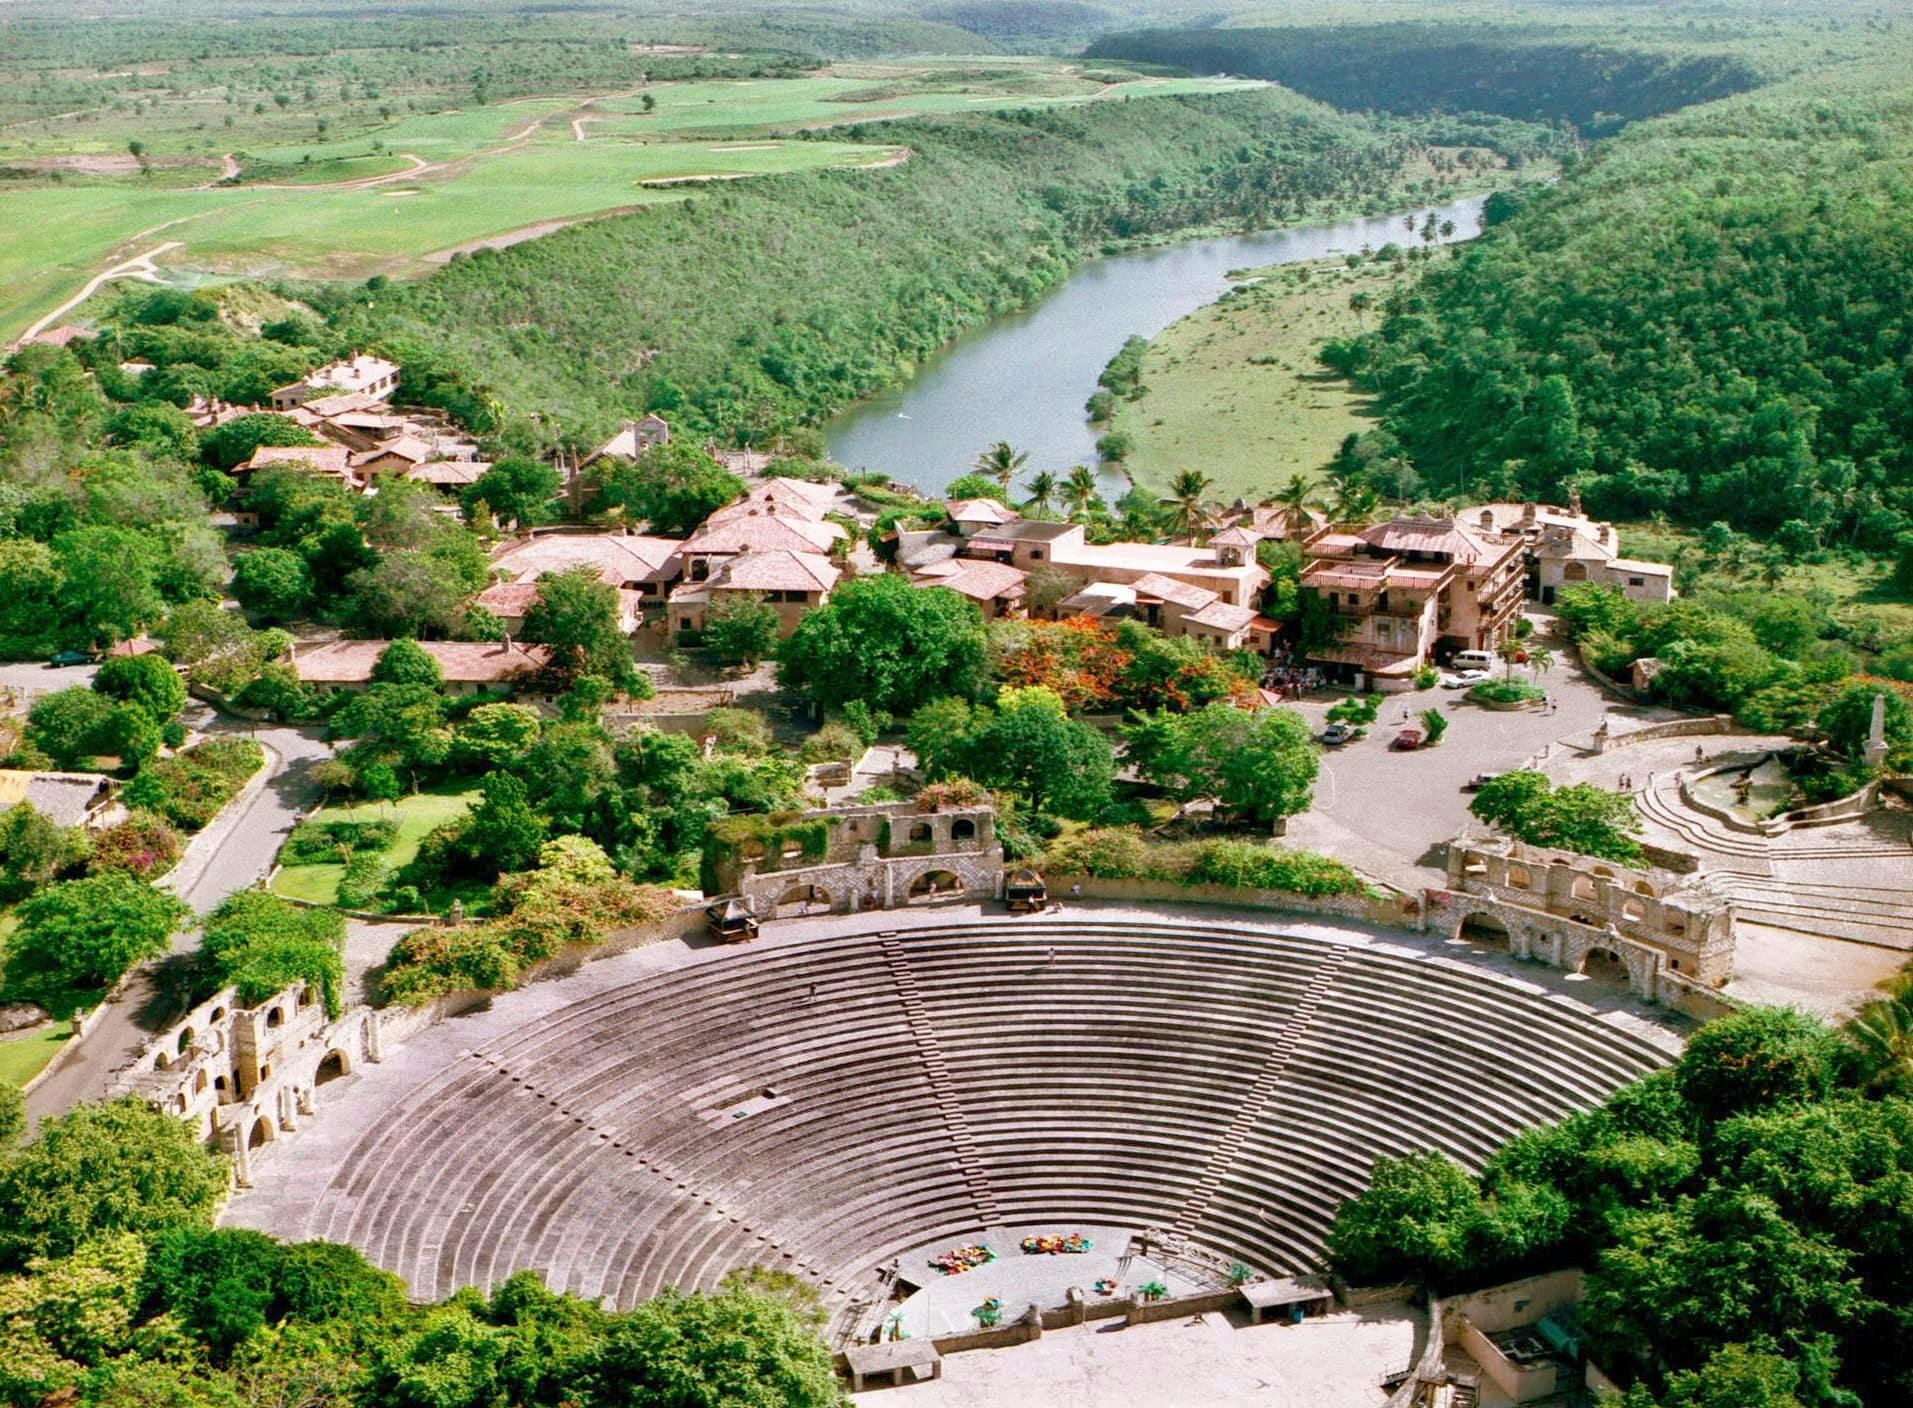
(85, 933)
(331, 842)
(1114, 853)
(364, 877)
(1506, 692)
(262, 944)
(144, 846)
(1251, 866)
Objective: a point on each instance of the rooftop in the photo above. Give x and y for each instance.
(979, 511)
(1027, 530)
(777, 571)
(980, 581)
(1163, 588)
(760, 529)
(619, 557)
(460, 661)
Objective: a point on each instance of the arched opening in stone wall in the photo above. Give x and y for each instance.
(1633, 911)
(933, 886)
(217, 1014)
(1604, 965)
(798, 900)
(276, 1017)
(185, 1038)
(335, 1064)
(1486, 930)
(918, 834)
(1519, 879)
(963, 829)
(1583, 888)
(199, 1082)
(262, 1133)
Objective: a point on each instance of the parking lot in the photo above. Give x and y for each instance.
(1388, 812)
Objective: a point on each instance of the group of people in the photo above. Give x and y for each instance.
(1288, 676)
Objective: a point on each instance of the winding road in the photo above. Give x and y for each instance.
(235, 851)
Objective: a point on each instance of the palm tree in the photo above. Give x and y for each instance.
(1540, 659)
(1508, 649)
(1355, 503)
(1079, 490)
(1296, 498)
(1001, 462)
(1042, 488)
(1185, 493)
(1882, 1030)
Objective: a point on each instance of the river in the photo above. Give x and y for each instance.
(1024, 377)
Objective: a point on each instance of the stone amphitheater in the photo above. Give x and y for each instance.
(850, 1090)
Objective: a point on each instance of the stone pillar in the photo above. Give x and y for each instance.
(1078, 1305)
(1032, 1324)
(1874, 754)
(374, 1042)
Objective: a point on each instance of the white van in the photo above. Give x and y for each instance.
(1473, 660)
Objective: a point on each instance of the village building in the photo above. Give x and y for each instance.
(206, 412)
(467, 666)
(1228, 569)
(64, 798)
(634, 437)
(1410, 592)
(969, 516)
(1176, 609)
(996, 587)
(369, 375)
(333, 461)
(451, 478)
(780, 515)
(636, 563)
(792, 582)
(1566, 548)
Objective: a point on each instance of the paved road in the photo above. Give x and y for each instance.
(236, 850)
(1388, 813)
(32, 678)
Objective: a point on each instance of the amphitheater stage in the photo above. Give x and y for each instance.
(944, 1304)
(849, 1091)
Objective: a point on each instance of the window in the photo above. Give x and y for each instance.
(1640, 582)
(1036, 554)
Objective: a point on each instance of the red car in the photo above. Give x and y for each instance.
(1408, 740)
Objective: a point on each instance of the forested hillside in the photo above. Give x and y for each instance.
(1708, 319)
(786, 298)
(1541, 75)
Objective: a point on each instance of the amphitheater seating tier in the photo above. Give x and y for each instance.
(823, 1107)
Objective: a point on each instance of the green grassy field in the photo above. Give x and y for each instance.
(446, 180)
(24, 1057)
(416, 816)
(1235, 390)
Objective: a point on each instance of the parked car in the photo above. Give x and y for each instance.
(1408, 740)
(1479, 781)
(1335, 735)
(1463, 679)
(65, 658)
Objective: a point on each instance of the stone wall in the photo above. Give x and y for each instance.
(874, 858)
(1561, 908)
(1698, 726)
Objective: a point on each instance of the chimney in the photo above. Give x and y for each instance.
(504, 646)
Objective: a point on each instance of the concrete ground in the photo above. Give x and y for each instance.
(1210, 1361)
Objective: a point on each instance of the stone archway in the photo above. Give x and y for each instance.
(1604, 965)
(335, 1064)
(1488, 931)
(934, 887)
(800, 899)
(262, 1133)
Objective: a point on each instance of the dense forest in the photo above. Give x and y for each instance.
(1707, 319)
(1537, 74)
(1743, 1217)
(783, 299)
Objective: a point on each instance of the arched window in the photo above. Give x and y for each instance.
(276, 1017)
(963, 829)
(919, 833)
(1519, 878)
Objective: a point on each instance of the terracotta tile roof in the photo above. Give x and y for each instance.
(1431, 535)
(1236, 537)
(323, 459)
(983, 581)
(1220, 615)
(508, 598)
(619, 557)
(777, 571)
(60, 336)
(1163, 588)
(406, 447)
(979, 511)
(448, 471)
(762, 531)
(461, 662)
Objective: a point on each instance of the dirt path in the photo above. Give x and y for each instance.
(139, 267)
(896, 158)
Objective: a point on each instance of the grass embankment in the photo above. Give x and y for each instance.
(415, 817)
(1234, 389)
(24, 1057)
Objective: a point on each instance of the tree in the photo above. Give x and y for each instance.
(218, 1281)
(1756, 1060)
(234, 442)
(1001, 463)
(406, 662)
(1186, 492)
(105, 1168)
(1410, 1222)
(741, 628)
(735, 1347)
(673, 487)
(35, 850)
(1580, 817)
(402, 724)
(149, 681)
(577, 616)
(974, 486)
(1079, 490)
(1259, 765)
(1296, 499)
(1030, 745)
(262, 944)
(503, 833)
(938, 734)
(1847, 720)
(493, 735)
(85, 933)
(273, 583)
(408, 592)
(1042, 489)
(1434, 723)
(887, 643)
(69, 725)
(517, 489)
(108, 589)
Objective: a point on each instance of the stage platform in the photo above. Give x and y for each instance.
(943, 1304)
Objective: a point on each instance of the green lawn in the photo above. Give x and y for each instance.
(1235, 390)
(24, 1057)
(416, 816)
